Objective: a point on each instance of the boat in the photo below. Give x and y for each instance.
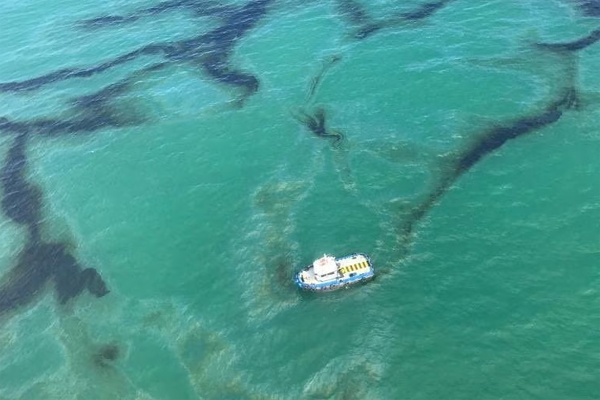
(331, 273)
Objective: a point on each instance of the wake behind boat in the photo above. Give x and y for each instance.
(331, 273)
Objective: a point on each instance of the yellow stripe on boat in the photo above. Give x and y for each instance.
(353, 267)
(360, 267)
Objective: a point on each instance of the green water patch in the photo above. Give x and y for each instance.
(29, 351)
(165, 377)
(332, 220)
(186, 197)
(285, 59)
(62, 99)
(302, 353)
(588, 60)
(179, 93)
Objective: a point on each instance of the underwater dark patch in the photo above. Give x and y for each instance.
(106, 355)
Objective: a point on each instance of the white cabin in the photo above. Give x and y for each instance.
(325, 268)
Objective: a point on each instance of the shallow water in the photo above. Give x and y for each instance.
(196, 200)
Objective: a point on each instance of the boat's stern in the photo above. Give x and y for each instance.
(303, 279)
(301, 285)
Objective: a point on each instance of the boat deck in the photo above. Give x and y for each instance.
(359, 267)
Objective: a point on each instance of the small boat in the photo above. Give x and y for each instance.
(331, 273)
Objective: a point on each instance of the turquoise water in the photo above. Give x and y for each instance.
(198, 216)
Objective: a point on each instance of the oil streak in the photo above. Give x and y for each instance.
(573, 46)
(483, 145)
(315, 123)
(39, 262)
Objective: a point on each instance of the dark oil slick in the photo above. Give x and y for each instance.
(41, 262)
(315, 123)
(328, 63)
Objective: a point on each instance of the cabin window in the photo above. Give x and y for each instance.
(352, 274)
